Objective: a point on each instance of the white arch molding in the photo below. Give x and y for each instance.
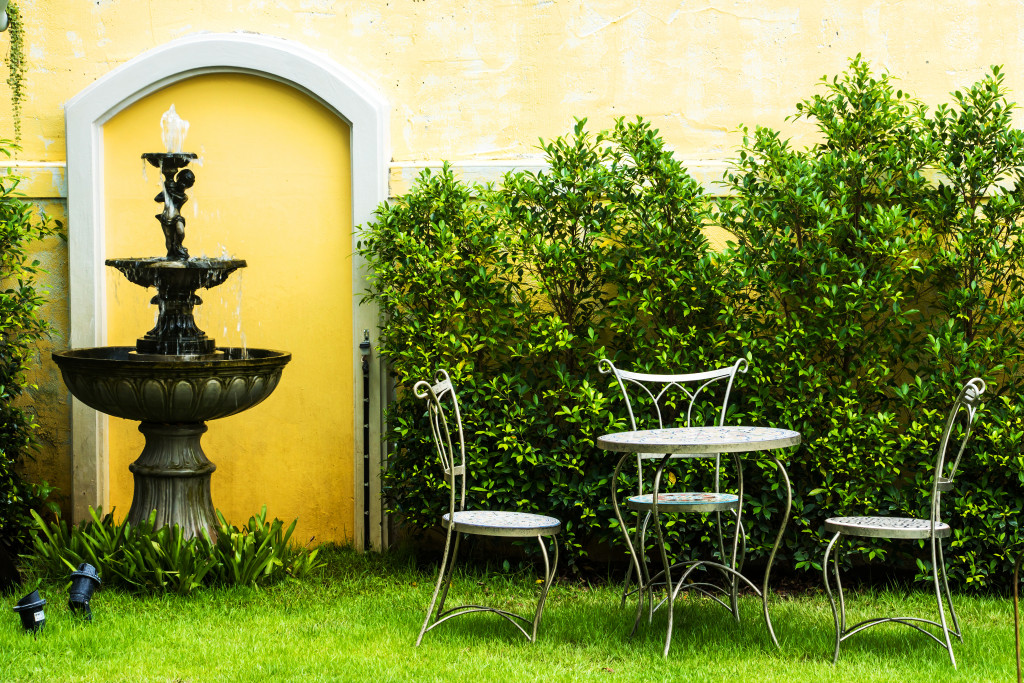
(284, 61)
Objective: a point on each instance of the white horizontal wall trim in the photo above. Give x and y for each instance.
(708, 172)
(48, 179)
(39, 179)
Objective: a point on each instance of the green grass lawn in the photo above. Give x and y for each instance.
(358, 619)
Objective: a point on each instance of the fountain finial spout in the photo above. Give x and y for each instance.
(176, 179)
(173, 129)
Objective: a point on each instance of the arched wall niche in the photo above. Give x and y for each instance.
(338, 89)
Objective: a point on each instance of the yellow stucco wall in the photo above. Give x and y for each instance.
(478, 82)
(475, 80)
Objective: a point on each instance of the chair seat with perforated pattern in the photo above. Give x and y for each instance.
(685, 501)
(503, 523)
(885, 527)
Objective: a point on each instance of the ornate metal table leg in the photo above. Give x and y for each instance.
(670, 596)
(629, 541)
(775, 547)
(736, 561)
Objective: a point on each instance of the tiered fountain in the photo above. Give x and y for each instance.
(175, 378)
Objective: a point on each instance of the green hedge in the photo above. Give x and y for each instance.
(21, 328)
(871, 274)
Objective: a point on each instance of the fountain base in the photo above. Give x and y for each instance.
(172, 476)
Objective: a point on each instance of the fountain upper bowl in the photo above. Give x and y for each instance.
(117, 381)
(190, 274)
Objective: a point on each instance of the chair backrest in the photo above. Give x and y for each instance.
(450, 443)
(683, 400)
(955, 434)
(655, 401)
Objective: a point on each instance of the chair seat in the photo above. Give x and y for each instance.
(503, 523)
(886, 527)
(685, 501)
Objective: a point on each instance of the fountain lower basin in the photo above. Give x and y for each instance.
(117, 381)
(172, 397)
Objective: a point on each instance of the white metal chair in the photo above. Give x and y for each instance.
(458, 520)
(674, 400)
(933, 529)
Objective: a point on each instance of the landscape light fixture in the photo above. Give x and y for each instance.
(30, 609)
(84, 582)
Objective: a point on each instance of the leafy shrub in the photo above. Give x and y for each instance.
(519, 291)
(975, 293)
(882, 268)
(871, 274)
(21, 328)
(826, 259)
(151, 560)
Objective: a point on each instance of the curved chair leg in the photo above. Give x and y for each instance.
(733, 560)
(645, 590)
(839, 616)
(642, 575)
(625, 584)
(1016, 614)
(670, 596)
(670, 593)
(730, 561)
(451, 573)
(936, 562)
(669, 587)
(549, 576)
(442, 574)
(637, 545)
(957, 631)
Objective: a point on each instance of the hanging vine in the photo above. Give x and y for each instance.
(16, 65)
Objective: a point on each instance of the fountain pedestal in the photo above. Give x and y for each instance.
(172, 476)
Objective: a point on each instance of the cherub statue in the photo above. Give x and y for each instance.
(173, 198)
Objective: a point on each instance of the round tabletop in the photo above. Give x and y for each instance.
(726, 439)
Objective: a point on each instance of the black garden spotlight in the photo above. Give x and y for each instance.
(84, 582)
(30, 609)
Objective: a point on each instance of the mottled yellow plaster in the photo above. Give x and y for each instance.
(483, 80)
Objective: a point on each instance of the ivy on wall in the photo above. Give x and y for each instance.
(17, 66)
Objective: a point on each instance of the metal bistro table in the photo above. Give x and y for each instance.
(700, 442)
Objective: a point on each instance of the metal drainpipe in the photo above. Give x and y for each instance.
(364, 350)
